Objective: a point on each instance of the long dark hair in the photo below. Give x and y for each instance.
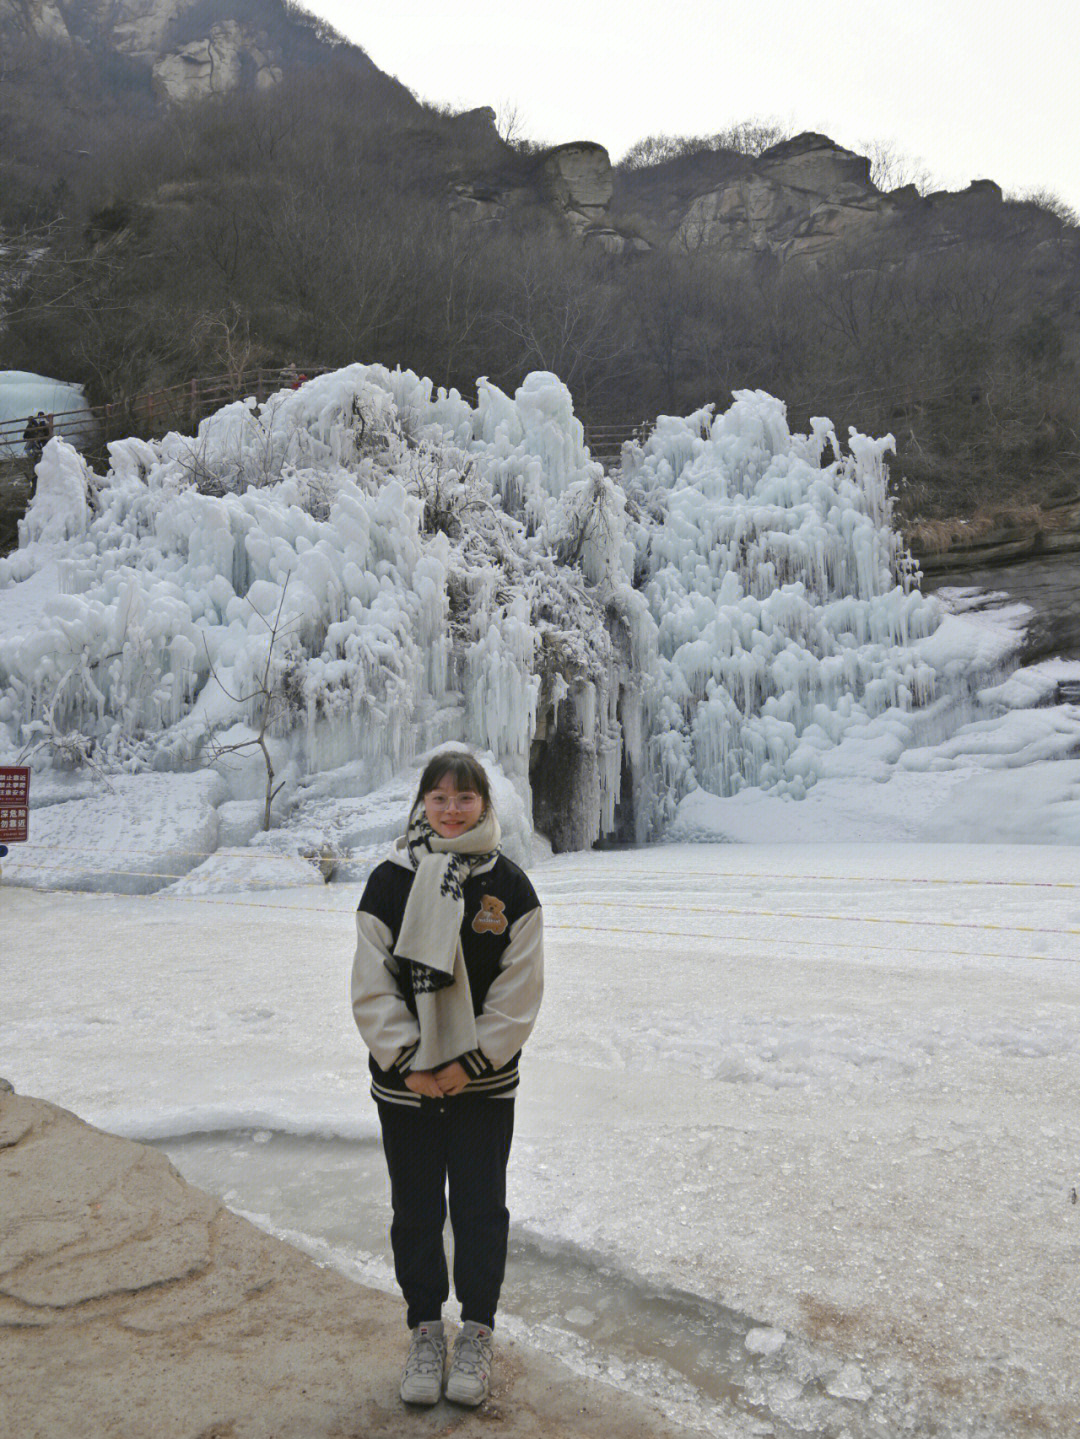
(464, 769)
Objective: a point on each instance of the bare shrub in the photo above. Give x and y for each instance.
(747, 137)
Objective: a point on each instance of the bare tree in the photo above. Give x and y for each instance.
(890, 169)
(746, 137)
(270, 704)
(225, 337)
(1044, 199)
(562, 313)
(71, 746)
(667, 297)
(509, 122)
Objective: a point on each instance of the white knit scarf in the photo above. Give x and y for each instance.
(430, 937)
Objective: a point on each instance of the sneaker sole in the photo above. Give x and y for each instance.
(470, 1401)
(420, 1400)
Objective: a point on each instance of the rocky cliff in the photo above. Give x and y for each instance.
(141, 28)
(193, 49)
(800, 199)
(797, 200)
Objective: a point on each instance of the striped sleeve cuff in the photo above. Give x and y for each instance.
(406, 1054)
(476, 1064)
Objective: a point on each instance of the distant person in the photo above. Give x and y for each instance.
(288, 377)
(36, 435)
(446, 986)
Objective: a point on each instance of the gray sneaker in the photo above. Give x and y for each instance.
(423, 1378)
(470, 1368)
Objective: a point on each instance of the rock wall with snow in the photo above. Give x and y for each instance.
(373, 567)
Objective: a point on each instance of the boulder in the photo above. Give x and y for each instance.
(132, 1304)
(476, 204)
(576, 179)
(614, 242)
(477, 129)
(800, 198)
(817, 164)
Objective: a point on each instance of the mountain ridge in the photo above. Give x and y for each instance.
(795, 199)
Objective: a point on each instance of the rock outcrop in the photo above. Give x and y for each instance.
(138, 28)
(477, 129)
(42, 18)
(800, 200)
(231, 53)
(801, 197)
(132, 1304)
(215, 65)
(804, 199)
(576, 179)
(1031, 532)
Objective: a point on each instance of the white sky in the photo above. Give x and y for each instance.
(975, 89)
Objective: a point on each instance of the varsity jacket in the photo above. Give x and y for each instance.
(502, 945)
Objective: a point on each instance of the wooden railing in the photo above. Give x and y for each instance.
(181, 407)
(154, 413)
(606, 439)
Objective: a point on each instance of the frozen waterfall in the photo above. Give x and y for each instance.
(727, 610)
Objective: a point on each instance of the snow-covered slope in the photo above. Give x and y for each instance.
(406, 570)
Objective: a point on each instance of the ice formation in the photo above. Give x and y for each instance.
(374, 567)
(782, 597)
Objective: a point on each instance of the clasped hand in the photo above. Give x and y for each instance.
(438, 1083)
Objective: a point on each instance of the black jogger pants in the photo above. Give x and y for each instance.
(461, 1144)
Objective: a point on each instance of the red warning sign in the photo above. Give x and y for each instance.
(14, 803)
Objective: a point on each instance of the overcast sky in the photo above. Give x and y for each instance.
(975, 89)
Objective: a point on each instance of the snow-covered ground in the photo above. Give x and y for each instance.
(828, 1087)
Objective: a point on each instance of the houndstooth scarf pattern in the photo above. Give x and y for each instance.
(430, 937)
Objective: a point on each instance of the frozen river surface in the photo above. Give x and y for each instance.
(797, 1138)
(1049, 586)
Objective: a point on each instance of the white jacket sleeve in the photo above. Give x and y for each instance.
(383, 1018)
(513, 999)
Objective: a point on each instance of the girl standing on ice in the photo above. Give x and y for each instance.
(445, 989)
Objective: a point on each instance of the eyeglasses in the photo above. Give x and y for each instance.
(459, 801)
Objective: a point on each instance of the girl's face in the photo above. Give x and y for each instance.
(451, 811)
